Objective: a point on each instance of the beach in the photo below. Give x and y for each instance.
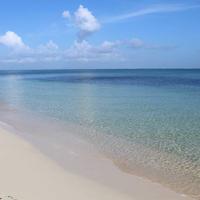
(100, 100)
(133, 133)
(27, 174)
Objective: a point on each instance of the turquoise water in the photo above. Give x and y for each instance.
(147, 121)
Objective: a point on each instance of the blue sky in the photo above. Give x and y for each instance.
(99, 34)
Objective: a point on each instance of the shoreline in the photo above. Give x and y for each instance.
(26, 172)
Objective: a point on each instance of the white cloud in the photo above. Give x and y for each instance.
(84, 51)
(11, 39)
(109, 47)
(66, 14)
(52, 45)
(153, 9)
(136, 43)
(27, 60)
(80, 51)
(86, 22)
(49, 47)
(43, 53)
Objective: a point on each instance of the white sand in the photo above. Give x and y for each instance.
(26, 174)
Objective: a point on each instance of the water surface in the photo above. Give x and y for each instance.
(147, 121)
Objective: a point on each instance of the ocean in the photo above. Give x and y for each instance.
(146, 120)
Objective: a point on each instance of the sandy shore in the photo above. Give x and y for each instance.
(27, 174)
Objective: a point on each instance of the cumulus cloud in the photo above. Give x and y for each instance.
(84, 51)
(66, 14)
(109, 46)
(43, 53)
(11, 39)
(79, 51)
(49, 47)
(84, 20)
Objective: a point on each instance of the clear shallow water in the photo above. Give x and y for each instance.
(147, 121)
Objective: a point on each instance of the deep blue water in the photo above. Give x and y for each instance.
(148, 121)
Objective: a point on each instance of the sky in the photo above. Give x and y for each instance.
(70, 34)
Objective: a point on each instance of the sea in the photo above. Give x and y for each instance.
(147, 121)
